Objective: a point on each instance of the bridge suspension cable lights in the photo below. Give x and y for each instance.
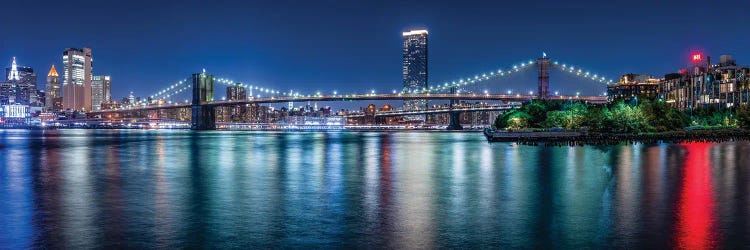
(272, 92)
(446, 86)
(580, 72)
(184, 85)
(171, 90)
(203, 104)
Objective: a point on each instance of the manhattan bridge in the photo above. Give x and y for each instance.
(203, 106)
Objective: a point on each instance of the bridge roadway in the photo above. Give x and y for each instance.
(444, 110)
(363, 97)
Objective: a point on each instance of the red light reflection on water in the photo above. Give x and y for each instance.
(695, 215)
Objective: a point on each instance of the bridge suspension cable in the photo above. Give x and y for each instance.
(260, 89)
(578, 71)
(478, 78)
(171, 90)
(184, 85)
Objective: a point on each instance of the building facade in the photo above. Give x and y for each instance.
(7, 93)
(77, 79)
(414, 67)
(705, 85)
(23, 81)
(100, 91)
(630, 86)
(52, 98)
(236, 92)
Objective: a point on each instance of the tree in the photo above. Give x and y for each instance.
(501, 122)
(519, 121)
(537, 111)
(514, 119)
(662, 117)
(628, 119)
(598, 119)
(556, 119)
(743, 116)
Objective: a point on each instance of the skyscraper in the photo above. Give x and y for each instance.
(236, 92)
(12, 72)
(77, 79)
(52, 90)
(7, 93)
(23, 80)
(100, 91)
(415, 67)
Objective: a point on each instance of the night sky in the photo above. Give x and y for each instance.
(356, 45)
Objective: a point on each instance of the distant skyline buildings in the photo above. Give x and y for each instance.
(53, 97)
(236, 92)
(101, 87)
(12, 72)
(414, 66)
(77, 79)
(20, 86)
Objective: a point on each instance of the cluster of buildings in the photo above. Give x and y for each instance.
(703, 85)
(77, 90)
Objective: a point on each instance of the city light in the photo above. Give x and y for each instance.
(697, 57)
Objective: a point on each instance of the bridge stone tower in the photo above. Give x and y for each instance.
(543, 64)
(454, 117)
(203, 116)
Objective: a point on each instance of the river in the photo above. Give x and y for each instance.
(83, 189)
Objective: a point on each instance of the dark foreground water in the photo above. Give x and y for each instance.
(81, 189)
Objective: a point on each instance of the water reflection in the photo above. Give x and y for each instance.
(695, 209)
(170, 189)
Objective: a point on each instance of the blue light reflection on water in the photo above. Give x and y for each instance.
(137, 188)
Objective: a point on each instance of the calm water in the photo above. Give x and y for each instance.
(143, 189)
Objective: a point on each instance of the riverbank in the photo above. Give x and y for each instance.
(598, 138)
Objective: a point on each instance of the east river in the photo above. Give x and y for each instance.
(81, 189)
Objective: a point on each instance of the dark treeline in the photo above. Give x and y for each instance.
(638, 116)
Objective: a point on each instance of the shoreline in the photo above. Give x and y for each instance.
(604, 138)
(477, 130)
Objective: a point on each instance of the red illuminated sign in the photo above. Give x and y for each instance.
(697, 57)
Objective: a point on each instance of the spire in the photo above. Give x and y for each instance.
(52, 71)
(14, 71)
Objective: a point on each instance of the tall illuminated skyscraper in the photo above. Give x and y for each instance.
(52, 95)
(12, 72)
(77, 79)
(415, 67)
(100, 91)
(23, 80)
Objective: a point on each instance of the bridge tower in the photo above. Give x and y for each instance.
(454, 117)
(203, 116)
(543, 64)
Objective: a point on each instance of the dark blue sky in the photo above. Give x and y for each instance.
(356, 45)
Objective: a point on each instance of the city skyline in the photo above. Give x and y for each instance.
(375, 124)
(295, 53)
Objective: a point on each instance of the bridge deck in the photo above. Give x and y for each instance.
(367, 97)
